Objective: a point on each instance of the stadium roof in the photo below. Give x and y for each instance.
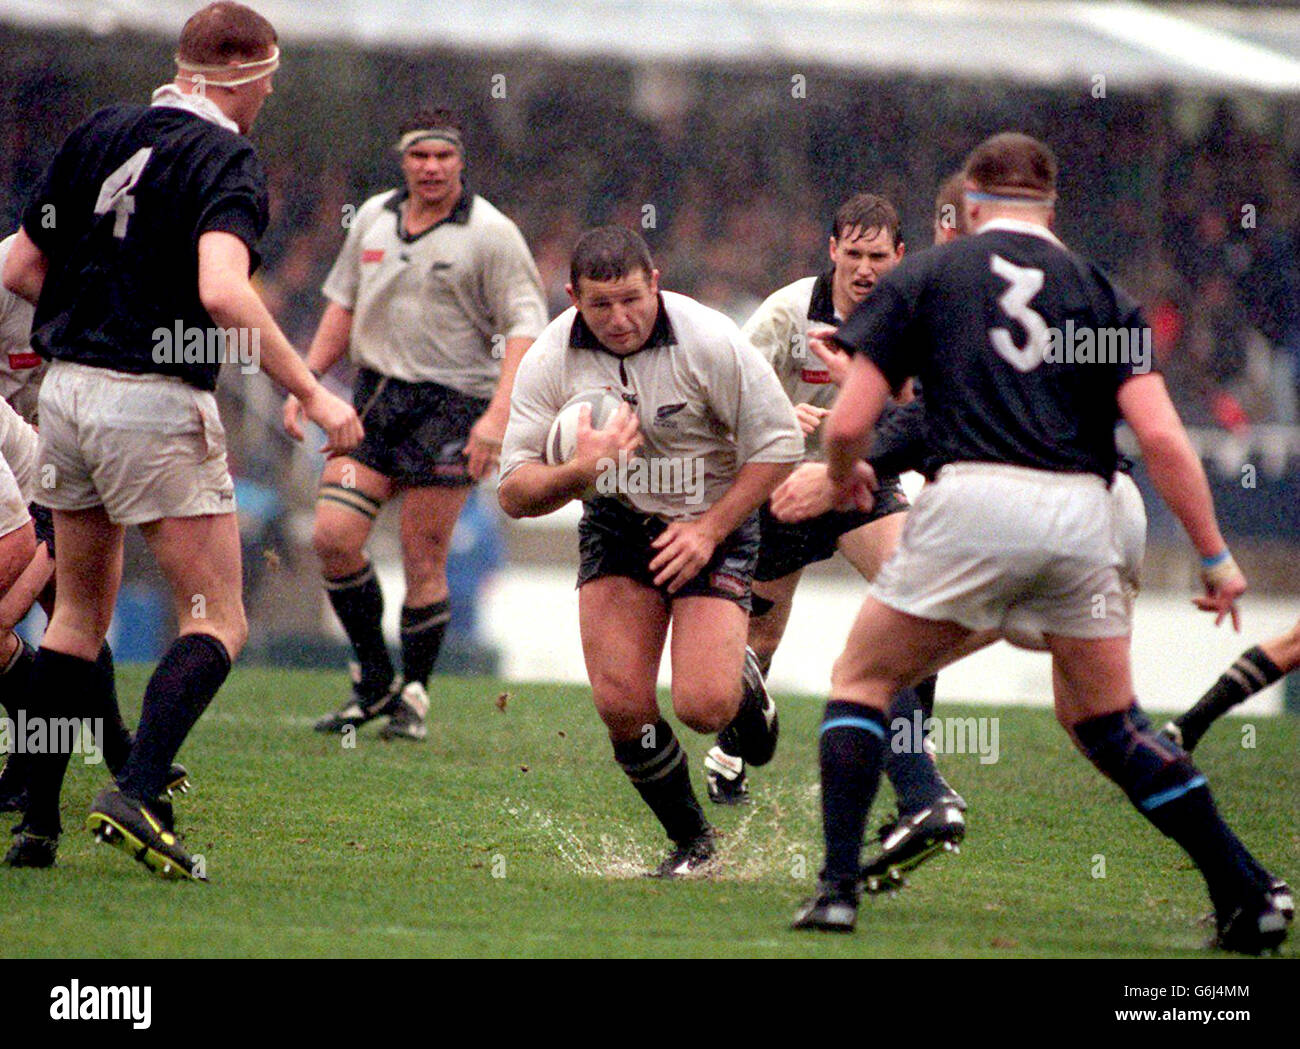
(1130, 44)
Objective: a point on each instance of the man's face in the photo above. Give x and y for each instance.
(432, 169)
(620, 313)
(861, 257)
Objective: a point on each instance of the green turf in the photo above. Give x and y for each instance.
(514, 834)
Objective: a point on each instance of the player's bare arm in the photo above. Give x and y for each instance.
(1179, 477)
(484, 446)
(328, 346)
(537, 489)
(808, 492)
(847, 433)
(230, 299)
(25, 269)
(686, 546)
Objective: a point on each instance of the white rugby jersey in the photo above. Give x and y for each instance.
(702, 394)
(437, 307)
(778, 329)
(21, 367)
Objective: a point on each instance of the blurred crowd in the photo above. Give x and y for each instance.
(732, 176)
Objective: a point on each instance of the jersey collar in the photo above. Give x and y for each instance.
(459, 213)
(581, 337)
(821, 306)
(172, 97)
(1019, 226)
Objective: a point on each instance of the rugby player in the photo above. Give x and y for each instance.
(1255, 669)
(1012, 428)
(157, 212)
(21, 372)
(787, 328)
(435, 297)
(698, 397)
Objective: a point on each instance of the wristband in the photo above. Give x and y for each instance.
(1216, 559)
(1223, 569)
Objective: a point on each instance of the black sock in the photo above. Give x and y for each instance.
(422, 631)
(359, 604)
(908, 764)
(656, 765)
(63, 682)
(115, 739)
(16, 690)
(182, 686)
(1252, 672)
(1163, 784)
(852, 744)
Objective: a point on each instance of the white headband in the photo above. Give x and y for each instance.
(212, 74)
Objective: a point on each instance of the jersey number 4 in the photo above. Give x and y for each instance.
(1026, 282)
(115, 193)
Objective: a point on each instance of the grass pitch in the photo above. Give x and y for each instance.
(512, 833)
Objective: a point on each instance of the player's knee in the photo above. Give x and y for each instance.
(706, 708)
(334, 544)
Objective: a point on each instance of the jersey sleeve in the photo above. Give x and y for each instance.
(747, 396)
(535, 400)
(879, 329)
(512, 286)
(772, 331)
(51, 196)
(236, 203)
(344, 280)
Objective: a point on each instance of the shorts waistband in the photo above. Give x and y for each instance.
(111, 373)
(1022, 473)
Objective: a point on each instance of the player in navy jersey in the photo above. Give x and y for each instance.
(1017, 344)
(137, 247)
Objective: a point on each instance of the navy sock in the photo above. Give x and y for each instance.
(115, 739)
(182, 686)
(851, 745)
(656, 765)
(1163, 784)
(1252, 672)
(908, 764)
(16, 690)
(63, 682)
(359, 603)
(422, 633)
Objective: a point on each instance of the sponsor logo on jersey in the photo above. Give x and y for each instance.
(20, 361)
(372, 255)
(815, 376)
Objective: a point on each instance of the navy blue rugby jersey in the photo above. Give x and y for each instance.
(1020, 345)
(119, 213)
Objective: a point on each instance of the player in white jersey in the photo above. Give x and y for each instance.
(435, 297)
(703, 408)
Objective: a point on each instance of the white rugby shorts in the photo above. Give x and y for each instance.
(1024, 552)
(18, 452)
(144, 447)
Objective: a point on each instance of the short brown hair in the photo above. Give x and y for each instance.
(609, 253)
(870, 214)
(949, 204)
(1013, 165)
(223, 32)
(427, 118)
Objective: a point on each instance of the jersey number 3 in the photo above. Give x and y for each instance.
(1025, 282)
(115, 193)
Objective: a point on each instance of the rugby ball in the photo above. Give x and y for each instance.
(562, 440)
